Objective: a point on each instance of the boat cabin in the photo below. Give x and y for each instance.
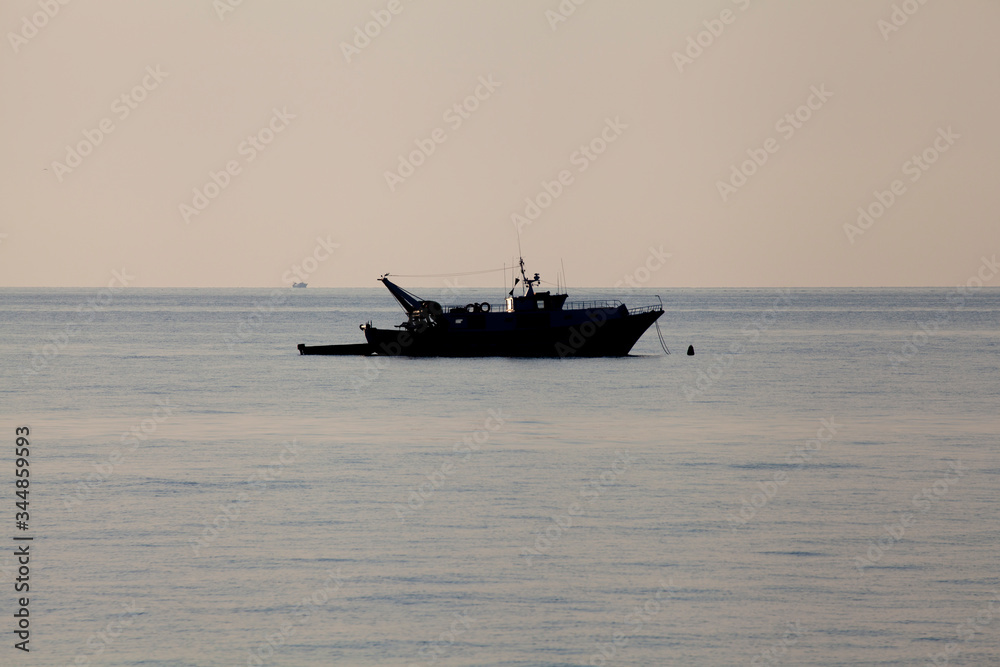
(535, 301)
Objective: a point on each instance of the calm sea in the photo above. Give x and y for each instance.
(818, 485)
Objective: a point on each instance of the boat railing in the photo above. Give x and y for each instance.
(447, 308)
(586, 305)
(612, 303)
(645, 309)
(575, 305)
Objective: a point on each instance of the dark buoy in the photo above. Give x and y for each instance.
(690, 350)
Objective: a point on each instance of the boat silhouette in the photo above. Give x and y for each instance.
(535, 324)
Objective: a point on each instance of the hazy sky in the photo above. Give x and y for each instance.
(116, 111)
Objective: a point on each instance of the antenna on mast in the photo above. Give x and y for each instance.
(525, 285)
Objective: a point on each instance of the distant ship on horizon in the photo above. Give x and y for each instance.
(536, 324)
(300, 284)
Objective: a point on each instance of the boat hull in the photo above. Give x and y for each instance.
(363, 349)
(584, 333)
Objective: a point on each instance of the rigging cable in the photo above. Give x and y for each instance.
(660, 334)
(445, 275)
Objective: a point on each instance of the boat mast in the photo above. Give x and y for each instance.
(526, 286)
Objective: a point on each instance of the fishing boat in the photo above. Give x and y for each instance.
(534, 324)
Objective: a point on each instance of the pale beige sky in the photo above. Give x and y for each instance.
(664, 118)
